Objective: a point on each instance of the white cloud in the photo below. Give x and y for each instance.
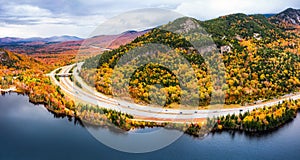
(208, 9)
(44, 30)
(32, 21)
(136, 20)
(26, 10)
(47, 18)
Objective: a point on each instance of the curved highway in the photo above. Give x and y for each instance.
(91, 96)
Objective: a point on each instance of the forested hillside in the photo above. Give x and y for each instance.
(28, 76)
(261, 62)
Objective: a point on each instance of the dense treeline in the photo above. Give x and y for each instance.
(257, 120)
(110, 118)
(102, 116)
(262, 119)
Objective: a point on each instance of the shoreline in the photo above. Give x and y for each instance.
(192, 129)
(253, 133)
(10, 89)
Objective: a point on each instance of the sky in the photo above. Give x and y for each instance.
(45, 18)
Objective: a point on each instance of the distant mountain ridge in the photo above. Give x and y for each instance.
(59, 44)
(289, 16)
(39, 39)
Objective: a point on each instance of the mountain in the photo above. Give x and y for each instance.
(59, 44)
(64, 38)
(39, 45)
(241, 26)
(10, 40)
(112, 41)
(125, 38)
(261, 62)
(18, 61)
(289, 16)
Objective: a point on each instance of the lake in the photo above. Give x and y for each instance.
(29, 132)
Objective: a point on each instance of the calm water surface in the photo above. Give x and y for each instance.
(30, 132)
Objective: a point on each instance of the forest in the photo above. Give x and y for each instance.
(28, 76)
(262, 63)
